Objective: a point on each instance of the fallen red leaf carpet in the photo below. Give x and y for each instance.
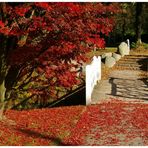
(109, 123)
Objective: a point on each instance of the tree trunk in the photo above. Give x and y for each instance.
(138, 23)
(3, 73)
(2, 98)
(3, 102)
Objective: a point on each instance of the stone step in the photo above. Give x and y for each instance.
(129, 60)
(124, 61)
(136, 56)
(141, 55)
(130, 63)
(140, 67)
(128, 68)
(124, 74)
(133, 64)
(132, 60)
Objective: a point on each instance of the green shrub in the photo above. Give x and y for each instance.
(145, 45)
(134, 45)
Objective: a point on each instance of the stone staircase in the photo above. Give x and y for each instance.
(133, 62)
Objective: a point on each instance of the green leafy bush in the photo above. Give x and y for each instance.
(145, 45)
(134, 45)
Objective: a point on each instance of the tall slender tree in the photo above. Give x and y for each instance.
(138, 22)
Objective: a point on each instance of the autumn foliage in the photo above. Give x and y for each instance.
(111, 123)
(41, 41)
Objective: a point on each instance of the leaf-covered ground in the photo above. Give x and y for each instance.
(109, 123)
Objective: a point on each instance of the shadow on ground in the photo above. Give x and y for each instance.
(55, 140)
(144, 64)
(127, 88)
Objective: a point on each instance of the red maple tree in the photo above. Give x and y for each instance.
(44, 44)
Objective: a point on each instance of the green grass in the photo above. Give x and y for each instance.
(101, 51)
(145, 45)
(111, 49)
